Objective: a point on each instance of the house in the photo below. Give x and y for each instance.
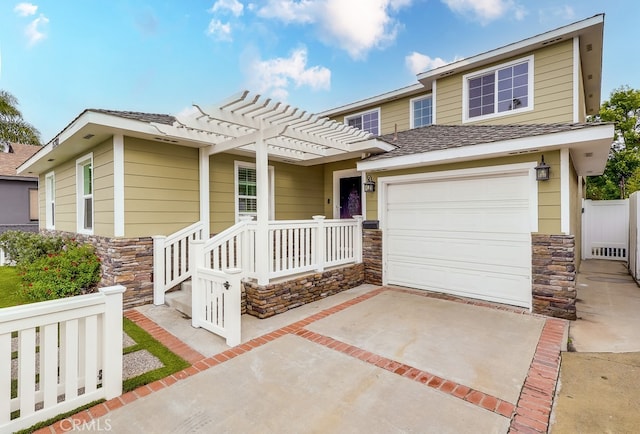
(18, 194)
(442, 171)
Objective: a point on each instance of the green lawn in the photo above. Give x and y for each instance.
(9, 286)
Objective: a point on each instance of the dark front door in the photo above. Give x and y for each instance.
(350, 200)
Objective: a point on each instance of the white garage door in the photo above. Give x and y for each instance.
(464, 236)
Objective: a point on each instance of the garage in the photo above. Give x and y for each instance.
(466, 233)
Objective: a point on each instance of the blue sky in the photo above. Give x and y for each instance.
(59, 57)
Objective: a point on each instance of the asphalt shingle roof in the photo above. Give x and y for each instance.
(9, 161)
(439, 137)
(138, 116)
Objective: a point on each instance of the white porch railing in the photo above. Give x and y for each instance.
(295, 246)
(171, 259)
(4, 259)
(67, 352)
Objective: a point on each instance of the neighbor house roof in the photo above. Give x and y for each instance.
(9, 161)
(138, 116)
(588, 143)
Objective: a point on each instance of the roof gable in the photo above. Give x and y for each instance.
(9, 161)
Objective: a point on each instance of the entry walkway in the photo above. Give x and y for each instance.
(370, 359)
(598, 387)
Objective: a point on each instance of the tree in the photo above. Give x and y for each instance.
(13, 128)
(621, 176)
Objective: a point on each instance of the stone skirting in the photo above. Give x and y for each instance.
(553, 275)
(125, 261)
(372, 256)
(272, 299)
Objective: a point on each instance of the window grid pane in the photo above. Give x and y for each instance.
(512, 91)
(366, 122)
(247, 191)
(422, 112)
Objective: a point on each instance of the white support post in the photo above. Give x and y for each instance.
(112, 335)
(196, 261)
(234, 318)
(158, 269)
(204, 193)
(262, 220)
(245, 248)
(357, 242)
(320, 242)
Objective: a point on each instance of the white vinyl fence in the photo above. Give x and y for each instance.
(58, 355)
(634, 236)
(605, 229)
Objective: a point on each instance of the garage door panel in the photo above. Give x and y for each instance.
(503, 288)
(506, 220)
(487, 250)
(467, 236)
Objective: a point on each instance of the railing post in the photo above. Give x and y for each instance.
(196, 261)
(320, 244)
(357, 242)
(112, 338)
(233, 315)
(158, 269)
(245, 252)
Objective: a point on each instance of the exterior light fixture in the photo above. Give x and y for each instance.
(542, 170)
(369, 185)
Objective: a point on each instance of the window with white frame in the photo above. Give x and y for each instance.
(498, 91)
(247, 190)
(421, 111)
(84, 178)
(367, 121)
(50, 200)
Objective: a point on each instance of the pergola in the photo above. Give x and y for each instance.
(251, 123)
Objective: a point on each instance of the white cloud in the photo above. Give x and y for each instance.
(564, 12)
(25, 9)
(417, 62)
(34, 30)
(219, 30)
(356, 26)
(275, 76)
(233, 6)
(486, 11)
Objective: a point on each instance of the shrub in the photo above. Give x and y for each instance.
(24, 247)
(74, 270)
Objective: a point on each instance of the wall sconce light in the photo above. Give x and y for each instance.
(369, 185)
(542, 170)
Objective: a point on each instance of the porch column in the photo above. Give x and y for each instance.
(262, 227)
(204, 192)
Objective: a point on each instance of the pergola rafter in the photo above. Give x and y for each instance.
(245, 119)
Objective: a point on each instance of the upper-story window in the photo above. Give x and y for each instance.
(421, 111)
(498, 91)
(367, 121)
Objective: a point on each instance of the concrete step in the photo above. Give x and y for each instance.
(180, 300)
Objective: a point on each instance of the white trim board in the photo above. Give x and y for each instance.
(118, 185)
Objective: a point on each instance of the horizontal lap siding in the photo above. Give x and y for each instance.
(298, 190)
(103, 189)
(548, 191)
(65, 178)
(553, 90)
(161, 187)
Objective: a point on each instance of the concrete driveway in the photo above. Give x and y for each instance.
(367, 360)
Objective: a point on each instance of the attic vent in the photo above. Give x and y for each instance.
(444, 74)
(588, 154)
(590, 76)
(589, 47)
(88, 136)
(161, 139)
(552, 41)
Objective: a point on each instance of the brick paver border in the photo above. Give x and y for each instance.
(530, 414)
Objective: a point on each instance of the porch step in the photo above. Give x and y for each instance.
(180, 300)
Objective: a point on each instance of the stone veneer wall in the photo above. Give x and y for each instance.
(554, 275)
(266, 301)
(372, 256)
(125, 261)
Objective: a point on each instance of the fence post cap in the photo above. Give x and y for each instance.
(110, 290)
(318, 217)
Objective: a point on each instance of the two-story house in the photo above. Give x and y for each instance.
(443, 171)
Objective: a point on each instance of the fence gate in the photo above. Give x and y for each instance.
(605, 229)
(216, 304)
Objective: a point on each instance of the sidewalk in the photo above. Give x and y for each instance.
(599, 387)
